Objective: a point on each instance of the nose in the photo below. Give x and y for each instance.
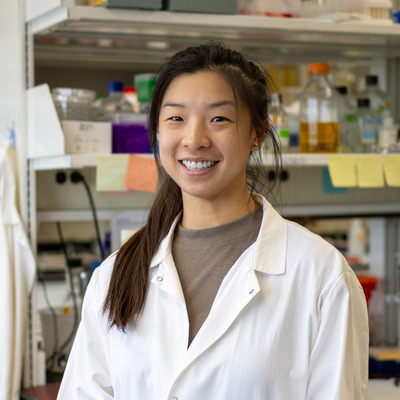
(196, 135)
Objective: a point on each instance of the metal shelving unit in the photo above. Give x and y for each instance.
(69, 161)
(87, 33)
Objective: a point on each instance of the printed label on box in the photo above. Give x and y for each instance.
(86, 137)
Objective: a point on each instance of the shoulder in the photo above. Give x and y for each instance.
(306, 242)
(102, 274)
(311, 255)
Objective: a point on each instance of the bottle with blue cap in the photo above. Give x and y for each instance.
(115, 102)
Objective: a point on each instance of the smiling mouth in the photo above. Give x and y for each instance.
(198, 165)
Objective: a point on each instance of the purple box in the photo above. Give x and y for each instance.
(130, 134)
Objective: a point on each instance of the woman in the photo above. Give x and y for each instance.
(218, 297)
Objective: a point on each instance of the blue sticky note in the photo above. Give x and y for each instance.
(327, 186)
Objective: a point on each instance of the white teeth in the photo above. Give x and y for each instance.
(197, 166)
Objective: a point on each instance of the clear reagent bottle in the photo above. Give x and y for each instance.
(319, 113)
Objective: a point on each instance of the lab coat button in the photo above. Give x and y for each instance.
(160, 278)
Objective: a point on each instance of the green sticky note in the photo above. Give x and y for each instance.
(110, 173)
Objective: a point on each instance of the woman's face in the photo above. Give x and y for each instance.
(204, 139)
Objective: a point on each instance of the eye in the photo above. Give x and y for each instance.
(219, 119)
(175, 118)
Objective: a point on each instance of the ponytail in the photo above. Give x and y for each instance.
(130, 277)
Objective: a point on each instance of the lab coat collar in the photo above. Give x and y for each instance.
(270, 249)
(165, 245)
(268, 253)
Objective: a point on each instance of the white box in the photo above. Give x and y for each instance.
(87, 137)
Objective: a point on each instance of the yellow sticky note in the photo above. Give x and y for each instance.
(391, 167)
(141, 173)
(370, 172)
(110, 173)
(342, 171)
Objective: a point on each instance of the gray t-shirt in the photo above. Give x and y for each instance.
(203, 258)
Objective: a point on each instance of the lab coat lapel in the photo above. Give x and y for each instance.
(238, 289)
(167, 278)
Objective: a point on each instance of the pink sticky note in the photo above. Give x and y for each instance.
(141, 173)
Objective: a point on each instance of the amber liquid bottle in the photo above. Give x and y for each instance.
(319, 137)
(319, 113)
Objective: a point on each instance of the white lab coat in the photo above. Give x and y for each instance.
(17, 268)
(289, 322)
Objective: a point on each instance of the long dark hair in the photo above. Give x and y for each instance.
(130, 277)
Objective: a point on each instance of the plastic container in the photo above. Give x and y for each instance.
(357, 241)
(319, 113)
(387, 133)
(378, 10)
(144, 84)
(114, 103)
(73, 104)
(333, 9)
(130, 95)
(130, 134)
(368, 283)
(367, 123)
(279, 119)
(350, 141)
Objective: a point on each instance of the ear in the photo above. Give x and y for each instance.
(258, 140)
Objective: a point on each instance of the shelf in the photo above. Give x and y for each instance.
(316, 160)
(317, 210)
(63, 162)
(69, 161)
(116, 35)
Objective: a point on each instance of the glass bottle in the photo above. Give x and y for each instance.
(367, 124)
(350, 141)
(279, 120)
(378, 99)
(114, 103)
(319, 113)
(387, 133)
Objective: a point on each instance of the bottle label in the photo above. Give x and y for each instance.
(283, 133)
(350, 117)
(369, 136)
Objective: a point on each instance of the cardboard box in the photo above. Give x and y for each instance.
(86, 137)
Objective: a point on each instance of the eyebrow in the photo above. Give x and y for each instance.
(209, 106)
